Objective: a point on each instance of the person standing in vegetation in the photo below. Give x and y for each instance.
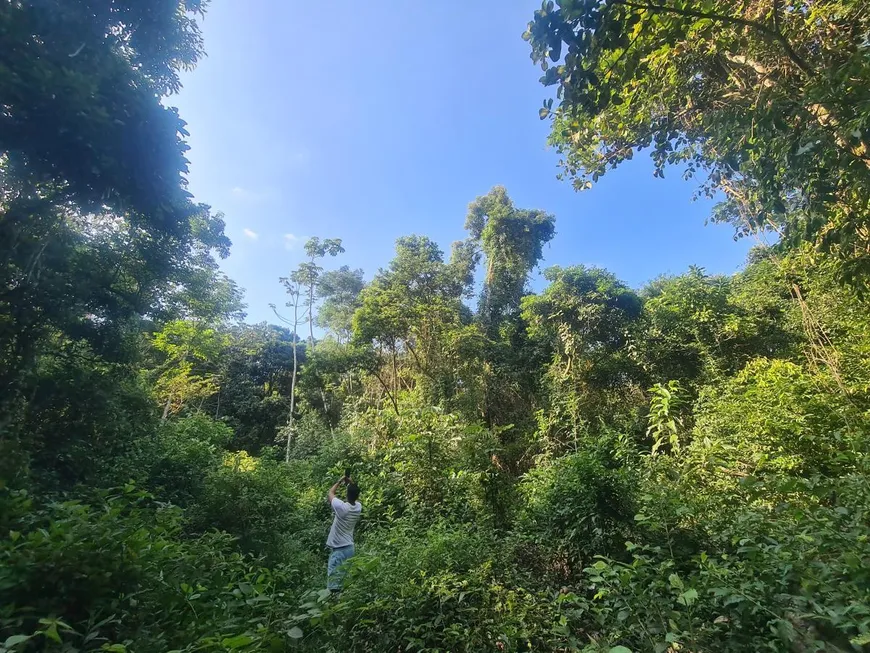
(340, 540)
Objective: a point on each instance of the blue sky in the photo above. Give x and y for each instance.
(367, 121)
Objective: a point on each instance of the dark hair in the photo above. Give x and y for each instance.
(352, 492)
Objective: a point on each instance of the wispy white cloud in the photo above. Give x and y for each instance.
(253, 235)
(291, 241)
(247, 195)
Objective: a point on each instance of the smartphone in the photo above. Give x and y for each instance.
(347, 473)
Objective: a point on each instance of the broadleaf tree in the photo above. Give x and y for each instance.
(767, 101)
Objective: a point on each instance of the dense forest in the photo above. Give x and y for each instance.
(593, 467)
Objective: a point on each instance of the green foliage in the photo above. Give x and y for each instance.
(339, 291)
(512, 241)
(786, 579)
(80, 66)
(83, 418)
(479, 533)
(250, 498)
(663, 416)
(188, 348)
(586, 318)
(332, 374)
(767, 102)
(579, 504)
(442, 588)
(184, 452)
(415, 308)
(521, 488)
(115, 572)
(255, 384)
(772, 418)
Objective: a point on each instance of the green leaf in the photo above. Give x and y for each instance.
(860, 640)
(295, 632)
(51, 633)
(324, 594)
(619, 649)
(239, 641)
(14, 640)
(675, 581)
(688, 597)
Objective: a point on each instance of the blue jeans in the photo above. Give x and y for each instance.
(334, 572)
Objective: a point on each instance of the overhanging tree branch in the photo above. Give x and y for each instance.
(761, 28)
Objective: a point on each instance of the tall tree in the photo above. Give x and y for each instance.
(300, 286)
(255, 378)
(769, 99)
(97, 229)
(309, 273)
(339, 291)
(585, 318)
(408, 310)
(297, 302)
(81, 88)
(512, 242)
(191, 352)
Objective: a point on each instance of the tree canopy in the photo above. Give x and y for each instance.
(577, 465)
(764, 102)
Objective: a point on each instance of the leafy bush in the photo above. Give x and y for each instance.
(794, 578)
(773, 418)
(424, 462)
(83, 420)
(445, 588)
(184, 452)
(577, 505)
(252, 499)
(116, 573)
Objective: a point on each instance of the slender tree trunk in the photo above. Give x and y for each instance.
(166, 407)
(325, 402)
(389, 394)
(293, 378)
(395, 372)
(311, 315)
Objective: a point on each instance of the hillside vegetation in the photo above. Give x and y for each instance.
(593, 467)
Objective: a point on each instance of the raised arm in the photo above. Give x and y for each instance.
(335, 487)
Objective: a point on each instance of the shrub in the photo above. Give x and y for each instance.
(578, 505)
(771, 420)
(83, 420)
(250, 498)
(441, 589)
(115, 573)
(182, 455)
(792, 579)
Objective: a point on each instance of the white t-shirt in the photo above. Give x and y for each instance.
(346, 517)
